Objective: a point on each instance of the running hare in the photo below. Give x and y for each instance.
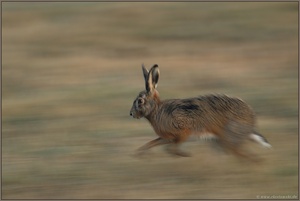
(229, 120)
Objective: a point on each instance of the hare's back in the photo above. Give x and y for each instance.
(223, 106)
(222, 102)
(214, 105)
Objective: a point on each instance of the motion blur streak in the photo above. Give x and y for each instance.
(70, 71)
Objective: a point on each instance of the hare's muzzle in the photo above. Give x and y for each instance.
(134, 115)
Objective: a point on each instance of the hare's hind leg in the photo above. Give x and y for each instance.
(242, 154)
(153, 143)
(233, 137)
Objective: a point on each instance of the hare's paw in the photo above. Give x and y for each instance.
(177, 152)
(182, 153)
(140, 153)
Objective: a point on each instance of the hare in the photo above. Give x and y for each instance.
(230, 121)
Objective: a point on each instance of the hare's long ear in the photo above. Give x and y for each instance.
(152, 78)
(145, 72)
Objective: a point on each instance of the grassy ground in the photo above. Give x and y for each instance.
(70, 72)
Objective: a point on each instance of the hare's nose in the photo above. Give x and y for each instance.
(130, 113)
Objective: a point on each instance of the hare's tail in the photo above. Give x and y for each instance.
(260, 139)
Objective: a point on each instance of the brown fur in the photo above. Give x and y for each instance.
(229, 119)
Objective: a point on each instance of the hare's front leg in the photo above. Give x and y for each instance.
(153, 143)
(174, 148)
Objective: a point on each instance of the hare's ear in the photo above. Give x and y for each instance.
(145, 72)
(152, 78)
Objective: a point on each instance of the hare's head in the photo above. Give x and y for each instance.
(147, 100)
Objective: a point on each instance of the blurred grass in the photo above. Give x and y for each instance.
(70, 72)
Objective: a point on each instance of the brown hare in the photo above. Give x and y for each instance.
(230, 121)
